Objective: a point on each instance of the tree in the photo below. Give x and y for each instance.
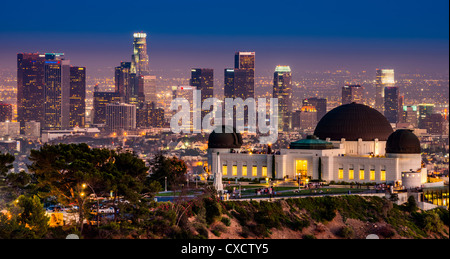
(173, 168)
(26, 220)
(127, 178)
(62, 170)
(6, 164)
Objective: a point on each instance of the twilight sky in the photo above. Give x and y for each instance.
(307, 35)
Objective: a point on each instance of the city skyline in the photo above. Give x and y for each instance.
(299, 38)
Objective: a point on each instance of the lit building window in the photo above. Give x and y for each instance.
(264, 171)
(234, 171)
(361, 174)
(255, 171)
(372, 175)
(224, 170)
(383, 175)
(341, 174)
(301, 168)
(351, 174)
(244, 170)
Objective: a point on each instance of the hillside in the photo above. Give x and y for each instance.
(348, 217)
(337, 217)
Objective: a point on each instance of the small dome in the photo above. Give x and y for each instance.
(403, 142)
(225, 137)
(352, 122)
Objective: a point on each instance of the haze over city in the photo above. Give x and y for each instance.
(309, 36)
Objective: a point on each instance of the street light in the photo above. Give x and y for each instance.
(165, 184)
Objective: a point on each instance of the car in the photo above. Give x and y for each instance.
(104, 210)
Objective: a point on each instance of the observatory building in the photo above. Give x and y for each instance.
(351, 143)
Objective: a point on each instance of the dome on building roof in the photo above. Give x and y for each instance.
(225, 137)
(352, 122)
(403, 142)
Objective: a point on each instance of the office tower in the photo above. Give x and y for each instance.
(308, 118)
(30, 87)
(244, 75)
(56, 91)
(32, 129)
(6, 112)
(295, 120)
(150, 116)
(139, 59)
(77, 97)
(147, 89)
(401, 102)
(187, 93)
(384, 78)
(410, 115)
(229, 83)
(101, 99)
(123, 79)
(434, 124)
(352, 93)
(319, 103)
(120, 116)
(391, 100)
(203, 79)
(282, 90)
(425, 110)
(9, 129)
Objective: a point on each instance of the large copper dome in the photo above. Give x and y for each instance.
(225, 137)
(352, 122)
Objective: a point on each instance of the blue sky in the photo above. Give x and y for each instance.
(308, 35)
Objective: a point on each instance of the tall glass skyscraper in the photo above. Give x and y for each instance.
(244, 75)
(282, 89)
(77, 97)
(391, 102)
(229, 83)
(384, 78)
(30, 88)
(203, 80)
(139, 59)
(56, 91)
(352, 93)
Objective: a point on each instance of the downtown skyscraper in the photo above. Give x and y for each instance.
(30, 88)
(240, 81)
(352, 93)
(56, 91)
(384, 78)
(391, 103)
(77, 114)
(282, 90)
(244, 75)
(45, 87)
(139, 59)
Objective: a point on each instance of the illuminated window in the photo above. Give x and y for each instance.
(372, 175)
(341, 174)
(264, 171)
(361, 174)
(301, 168)
(244, 170)
(234, 171)
(224, 170)
(383, 175)
(254, 171)
(351, 174)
